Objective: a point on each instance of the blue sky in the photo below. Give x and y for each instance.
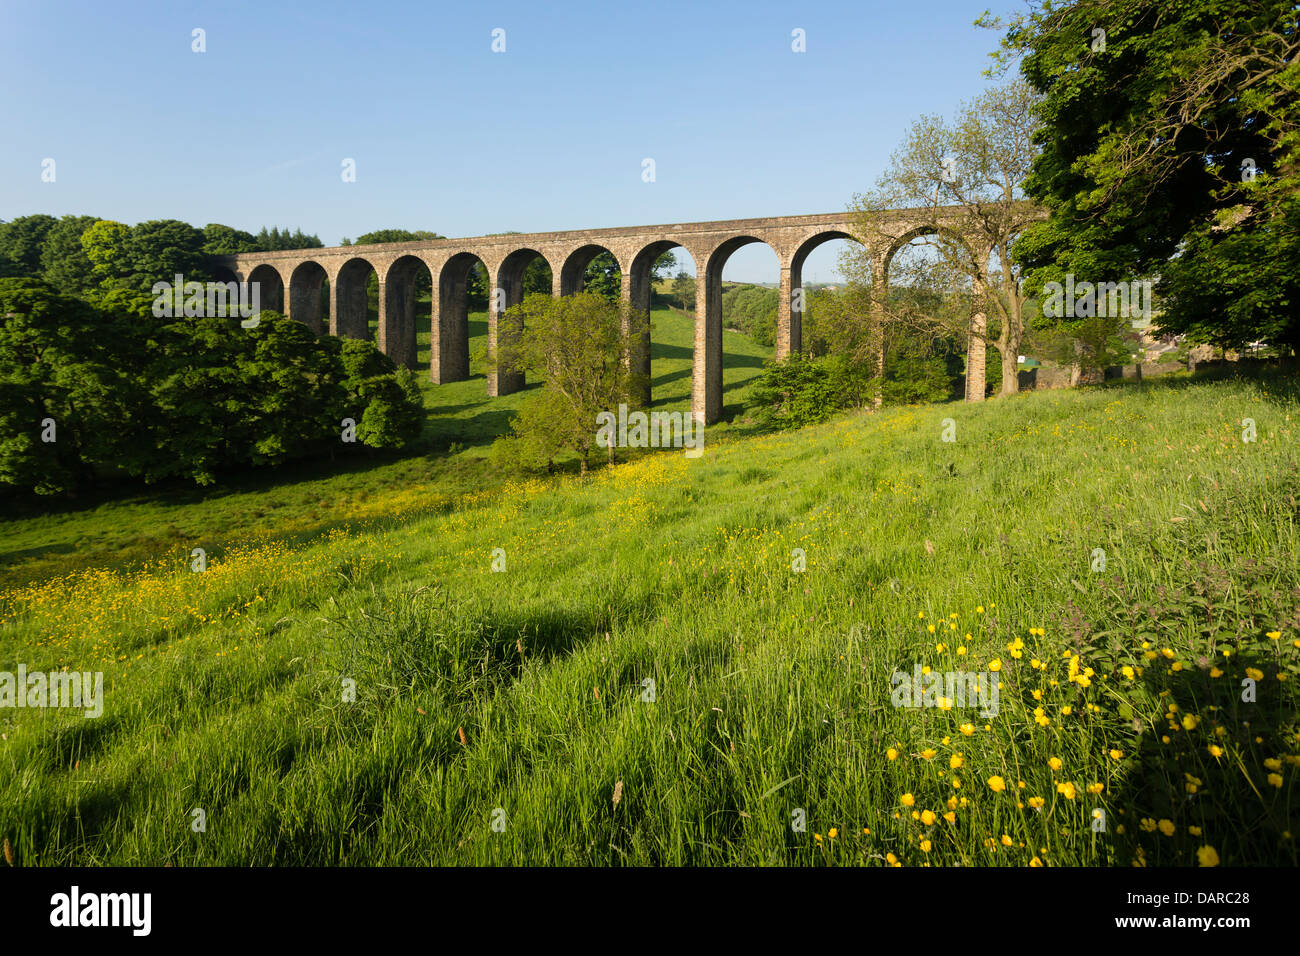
(448, 135)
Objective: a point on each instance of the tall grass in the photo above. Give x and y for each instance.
(380, 694)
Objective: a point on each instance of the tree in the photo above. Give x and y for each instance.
(384, 402)
(395, 235)
(52, 376)
(578, 343)
(135, 257)
(64, 264)
(160, 249)
(220, 240)
(602, 276)
(21, 240)
(684, 291)
(976, 166)
(104, 243)
(121, 393)
(276, 238)
(1169, 149)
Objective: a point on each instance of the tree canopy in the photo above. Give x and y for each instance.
(1169, 149)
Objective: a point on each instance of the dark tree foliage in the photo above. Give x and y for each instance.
(64, 263)
(752, 309)
(221, 240)
(395, 235)
(1170, 149)
(835, 372)
(20, 243)
(191, 398)
(270, 240)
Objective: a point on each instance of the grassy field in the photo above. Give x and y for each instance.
(300, 503)
(646, 679)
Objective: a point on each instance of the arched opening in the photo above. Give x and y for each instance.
(408, 283)
(924, 300)
(521, 273)
(462, 288)
(591, 268)
(350, 313)
(270, 287)
(306, 293)
(222, 273)
(816, 286)
(751, 308)
(661, 285)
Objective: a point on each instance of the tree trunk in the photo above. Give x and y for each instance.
(976, 361)
(1010, 369)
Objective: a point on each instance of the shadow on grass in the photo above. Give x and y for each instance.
(1215, 721)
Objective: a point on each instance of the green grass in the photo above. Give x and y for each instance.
(525, 691)
(299, 503)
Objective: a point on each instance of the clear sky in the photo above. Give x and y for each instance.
(448, 135)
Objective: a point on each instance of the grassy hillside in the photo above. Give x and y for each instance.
(300, 503)
(649, 681)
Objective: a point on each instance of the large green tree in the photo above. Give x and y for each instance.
(1169, 150)
(578, 344)
(21, 240)
(222, 240)
(64, 263)
(270, 240)
(62, 406)
(969, 173)
(135, 257)
(89, 392)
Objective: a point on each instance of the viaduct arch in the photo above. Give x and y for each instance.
(294, 278)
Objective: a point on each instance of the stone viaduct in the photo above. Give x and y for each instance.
(301, 272)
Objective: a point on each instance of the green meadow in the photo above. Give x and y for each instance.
(688, 661)
(300, 502)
